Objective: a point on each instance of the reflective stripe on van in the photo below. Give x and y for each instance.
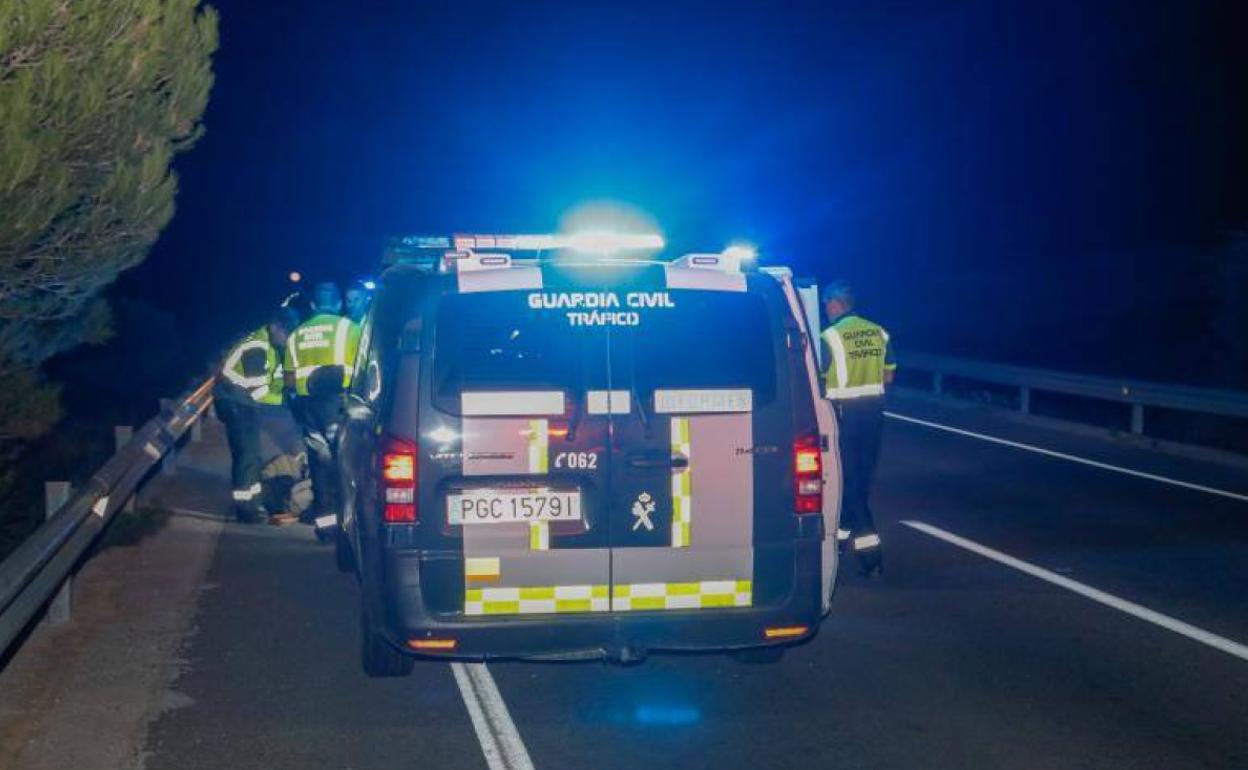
(703, 594)
(682, 484)
(537, 600)
(534, 600)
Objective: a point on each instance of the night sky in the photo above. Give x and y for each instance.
(1033, 182)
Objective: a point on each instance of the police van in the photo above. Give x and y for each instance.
(557, 448)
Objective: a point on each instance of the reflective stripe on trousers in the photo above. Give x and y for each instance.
(866, 541)
(247, 494)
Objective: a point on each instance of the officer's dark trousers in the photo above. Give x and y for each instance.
(319, 416)
(861, 421)
(242, 431)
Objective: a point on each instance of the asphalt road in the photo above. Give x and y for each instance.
(951, 660)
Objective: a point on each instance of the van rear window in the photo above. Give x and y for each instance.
(704, 340)
(494, 341)
(710, 340)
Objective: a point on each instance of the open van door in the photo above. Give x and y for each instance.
(808, 296)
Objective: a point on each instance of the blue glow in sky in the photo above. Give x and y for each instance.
(939, 155)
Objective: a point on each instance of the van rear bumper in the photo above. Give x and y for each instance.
(615, 635)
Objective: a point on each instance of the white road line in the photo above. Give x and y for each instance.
(500, 741)
(1109, 600)
(1071, 458)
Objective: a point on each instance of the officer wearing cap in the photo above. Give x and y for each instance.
(859, 366)
(251, 377)
(319, 365)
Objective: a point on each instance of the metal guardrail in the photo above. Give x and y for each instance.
(1135, 393)
(31, 574)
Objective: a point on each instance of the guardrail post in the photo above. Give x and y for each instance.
(1024, 400)
(938, 383)
(56, 494)
(121, 436)
(1137, 419)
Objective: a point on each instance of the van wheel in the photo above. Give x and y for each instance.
(759, 655)
(343, 557)
(378, 656)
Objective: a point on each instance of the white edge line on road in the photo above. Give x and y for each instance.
(1071, 458)
(1109, 600)
(500, 741)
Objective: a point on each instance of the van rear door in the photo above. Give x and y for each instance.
(520, 483)
(700, 513)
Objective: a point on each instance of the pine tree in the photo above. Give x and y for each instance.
(96, 98)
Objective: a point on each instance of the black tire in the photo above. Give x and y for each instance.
(379, 658)
(343, 557)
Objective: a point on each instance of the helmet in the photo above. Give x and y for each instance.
(837, 290)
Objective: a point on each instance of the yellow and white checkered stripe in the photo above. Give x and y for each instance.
(682, 489)
(539, 536)
(682, 596)
(539, 444)
(536, 600)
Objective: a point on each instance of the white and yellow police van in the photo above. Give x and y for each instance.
(569, 455)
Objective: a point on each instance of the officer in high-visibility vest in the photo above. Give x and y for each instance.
(319, 366)
(859, 366)
(251, 377)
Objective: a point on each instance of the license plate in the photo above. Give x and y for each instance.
(500, 506)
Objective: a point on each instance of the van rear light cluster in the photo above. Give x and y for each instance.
(398, 481)
(807, 475)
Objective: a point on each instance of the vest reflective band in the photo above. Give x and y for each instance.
(323, 340)
(265, 387)
(858, 357)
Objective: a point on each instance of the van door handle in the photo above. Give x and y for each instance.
(656, 460)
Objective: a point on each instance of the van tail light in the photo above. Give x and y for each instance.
(398, 481)
(807, 475)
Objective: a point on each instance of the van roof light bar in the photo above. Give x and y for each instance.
(470, 261)
(590, 242)
(722, 262)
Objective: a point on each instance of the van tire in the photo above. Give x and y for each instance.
(344, 559)
(379, 658)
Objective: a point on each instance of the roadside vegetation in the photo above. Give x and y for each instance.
(96, 100)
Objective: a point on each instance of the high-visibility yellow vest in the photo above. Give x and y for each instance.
(857, 355)
(263, 387)
(322, 340)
